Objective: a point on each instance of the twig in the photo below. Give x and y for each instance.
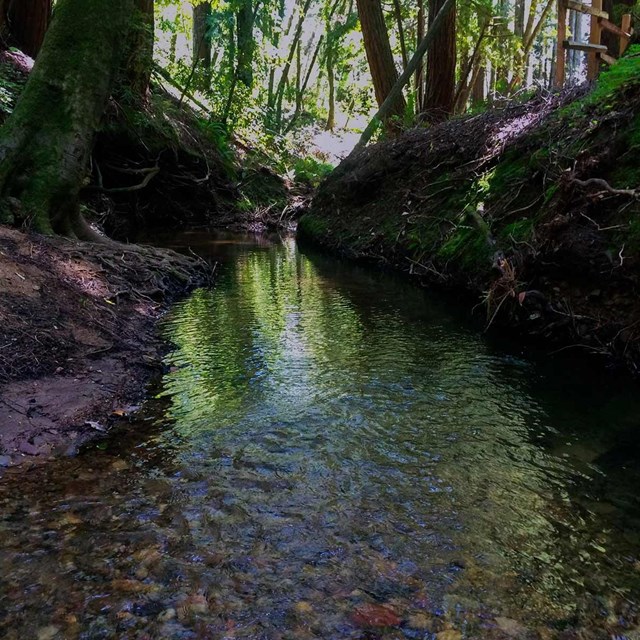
(603, 184)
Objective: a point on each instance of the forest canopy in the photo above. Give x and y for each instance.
(295, 80)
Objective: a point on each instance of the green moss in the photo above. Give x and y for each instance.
(625, 176)
(518, 231)
(624, 73)
(311, 226)
(510, 171)
(468, 246)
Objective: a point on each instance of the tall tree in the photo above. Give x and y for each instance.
(202, 40)
(440, 93)
(140, 48)
(379, 55)
(46, 143)
(245, 17)
(28, 21)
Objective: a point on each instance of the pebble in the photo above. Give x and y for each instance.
(510, 627)
(167, 614)
(48, 633)
(420, 621)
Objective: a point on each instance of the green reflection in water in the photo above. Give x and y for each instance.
(327, 439)
(429, 431)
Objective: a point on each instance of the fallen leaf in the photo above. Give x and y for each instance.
(375, 615)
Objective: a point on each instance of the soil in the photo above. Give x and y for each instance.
(77, 338)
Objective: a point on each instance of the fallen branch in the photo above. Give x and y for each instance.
(603, 184)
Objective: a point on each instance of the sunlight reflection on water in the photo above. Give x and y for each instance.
(336, 455)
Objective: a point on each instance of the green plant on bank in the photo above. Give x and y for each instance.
(311, 171)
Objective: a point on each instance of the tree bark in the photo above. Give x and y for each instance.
(440, 93)
(419, 79)
(405, 76)
(379, 55)
(28, 21)
(202, 41)
(246, 44)
(45, 145)
(284, 78)
(140, 51)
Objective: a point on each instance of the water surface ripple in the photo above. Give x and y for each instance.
(334, 454)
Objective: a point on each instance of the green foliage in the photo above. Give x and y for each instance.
(311, 226)
(11, 84)
(311, 170)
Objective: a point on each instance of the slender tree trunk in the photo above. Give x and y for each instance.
(284, 78)
(45, 145)
(331, 117)
(246, 44)
(477, 92)
(202, 41)
(379, 54)
(403, 43)
(173, 44)
(441, 67)
(419, 80)
(467, 77)
(28, 21)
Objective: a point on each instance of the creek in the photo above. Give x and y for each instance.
(335, 453)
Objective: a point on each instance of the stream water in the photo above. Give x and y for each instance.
(333, 453)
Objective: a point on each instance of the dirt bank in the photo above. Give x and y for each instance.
(77, 338)
(533, 210)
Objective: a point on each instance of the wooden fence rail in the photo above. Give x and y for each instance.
(595, 50)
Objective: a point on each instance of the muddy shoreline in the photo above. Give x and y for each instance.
(78, 340)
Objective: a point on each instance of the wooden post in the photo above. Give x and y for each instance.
(626, 27)
(562, 36)
(593, 58)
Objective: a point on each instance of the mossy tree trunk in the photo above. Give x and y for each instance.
(45, 146)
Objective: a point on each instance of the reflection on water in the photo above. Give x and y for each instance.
(334, 455)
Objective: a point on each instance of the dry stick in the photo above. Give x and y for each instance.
(405, 76)
(603, 184)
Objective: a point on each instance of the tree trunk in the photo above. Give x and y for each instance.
(477, 93)
(246, 43)
(45, 145)
(140, 50)
(202, 41)
(28, 21)
(403, 44)
(405, 76)
(419, 79)
(284, 78)
(440, 93)
(379, 55)
(3, 20)
(331, 116)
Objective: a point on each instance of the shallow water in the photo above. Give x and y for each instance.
(335, 454)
